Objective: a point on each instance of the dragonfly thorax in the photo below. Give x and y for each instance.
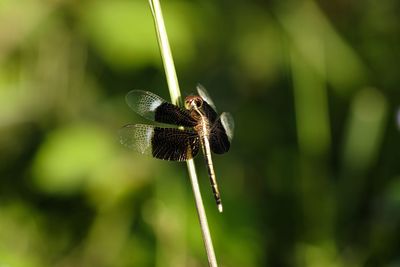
(194, 104)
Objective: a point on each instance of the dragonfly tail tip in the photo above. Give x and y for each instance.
(220, 209)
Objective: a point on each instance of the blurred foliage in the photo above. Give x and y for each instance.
(313, 175)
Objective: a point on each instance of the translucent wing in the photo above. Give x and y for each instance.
(162, 143)
(204, 94)
(144, 103)
(153, 107)
(228, 123)
(222, 134)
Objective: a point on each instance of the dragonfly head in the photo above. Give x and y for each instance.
(193, 102)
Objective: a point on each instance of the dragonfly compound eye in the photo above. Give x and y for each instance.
(198, 102)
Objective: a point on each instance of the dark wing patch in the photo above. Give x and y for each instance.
(153, 107)
(209, 112)
(222, 133)
(162, 143)
(171, 114)
(175, 144)
(219, 140)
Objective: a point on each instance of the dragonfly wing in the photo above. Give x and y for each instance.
(162, 143)
(155, 108)
(228, 123)
(222, 134)
(204, 94)
(144, 103)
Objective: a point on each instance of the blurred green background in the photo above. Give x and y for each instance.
(313, 175)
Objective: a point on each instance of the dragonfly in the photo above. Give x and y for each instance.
(195, 126)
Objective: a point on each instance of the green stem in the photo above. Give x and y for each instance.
(175, 94)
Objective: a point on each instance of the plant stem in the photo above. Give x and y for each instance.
(175, 94)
